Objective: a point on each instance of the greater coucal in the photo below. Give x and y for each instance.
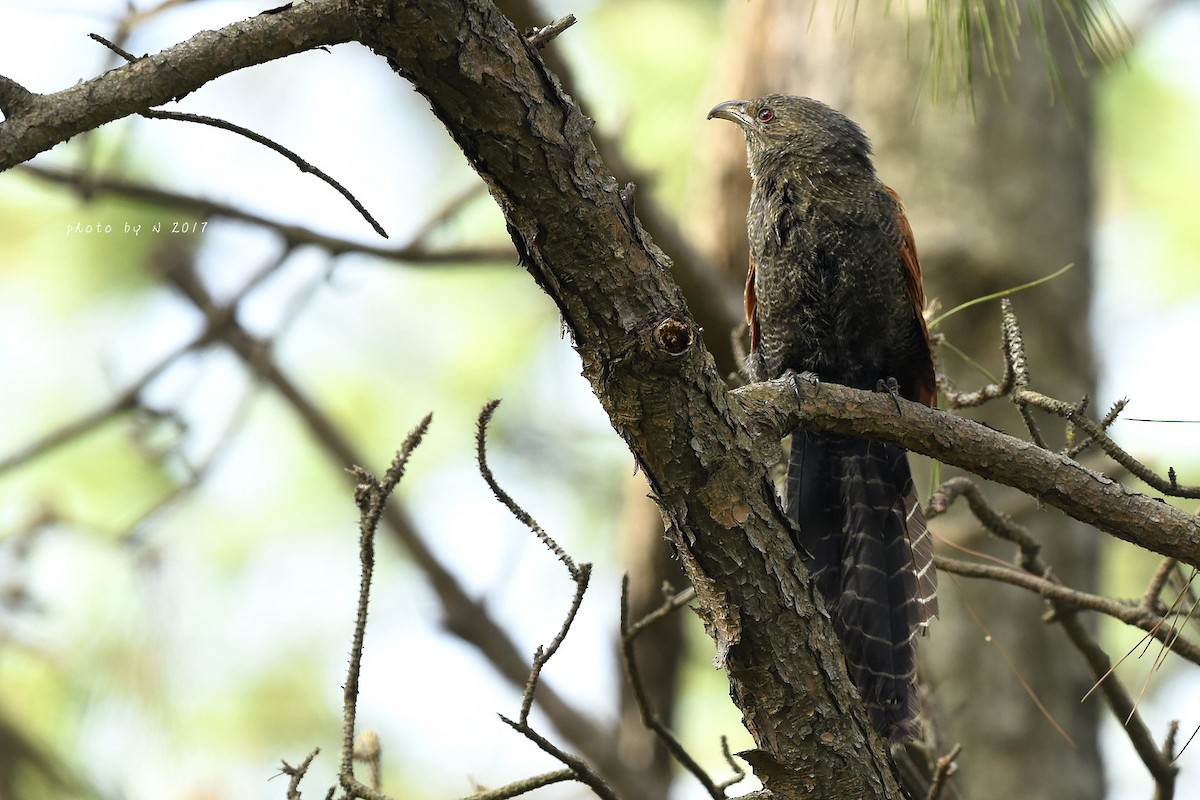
(834, 289)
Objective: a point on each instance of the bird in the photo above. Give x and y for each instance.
(833, 293)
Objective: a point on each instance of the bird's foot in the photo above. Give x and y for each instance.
(892, 387)
(807, 376)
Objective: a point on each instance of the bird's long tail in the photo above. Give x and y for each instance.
(872, 561)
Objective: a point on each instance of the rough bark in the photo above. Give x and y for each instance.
(643, 551)
(36, 122)
(1046, 476)
(641, 350)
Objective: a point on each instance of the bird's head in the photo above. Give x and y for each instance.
(781, 126)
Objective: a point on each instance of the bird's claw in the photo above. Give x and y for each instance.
(892, 387)
(806, 376)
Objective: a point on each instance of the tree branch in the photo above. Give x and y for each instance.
(463, 616)
(416, 251)
(580, 574)
(650, 717)
(1063, 607)
(640, 350)
(38, 122)
(371, 495)
(780, 406)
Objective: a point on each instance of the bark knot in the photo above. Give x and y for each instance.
(673, 336)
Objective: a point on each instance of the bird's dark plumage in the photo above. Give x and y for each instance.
(834, 288)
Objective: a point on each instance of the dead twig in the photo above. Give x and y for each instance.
(464, 617)
(297, 773)
(1099, 437)
(1135, 615)
(540, 37)
(116, 48)
(414, 252)
(943, 769)
(1063, 602)
(1015, 385)
(523, 786)
(672, 601)
(371, 495)
(650, 717)
(270, 144)
(580, 574)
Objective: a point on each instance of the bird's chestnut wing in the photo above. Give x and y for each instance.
(919, 384)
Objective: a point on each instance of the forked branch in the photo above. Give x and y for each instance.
(580, 770)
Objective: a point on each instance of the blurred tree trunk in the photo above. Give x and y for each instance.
(995, 201)
(659, 651)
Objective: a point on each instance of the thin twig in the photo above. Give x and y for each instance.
(540, 37)
(296, 774)
(300, 163)
(738, 775)
(524, 786)
(543, 654)
(1165, 789)
(582, 771)
(294, 235)
(1096, 432)
(991, 391)
(671, 602)
(1152, 597)
(1015, 383)
(943, 769)
(999, 523)
(1168, 486)
(463, 616)
(580, 574)
(1087, 442)
(116, 48)
(1119, 700)
(1014, 358)
(371, 495)
(485, 417)
(1135, 616)
(650, 717)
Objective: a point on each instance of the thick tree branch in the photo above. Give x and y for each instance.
(640, 349)
(35, 123)
(783, 405)
(715, 303)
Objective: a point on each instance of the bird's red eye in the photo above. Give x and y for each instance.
(766, 114)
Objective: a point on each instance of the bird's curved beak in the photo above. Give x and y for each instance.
(732, 110)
